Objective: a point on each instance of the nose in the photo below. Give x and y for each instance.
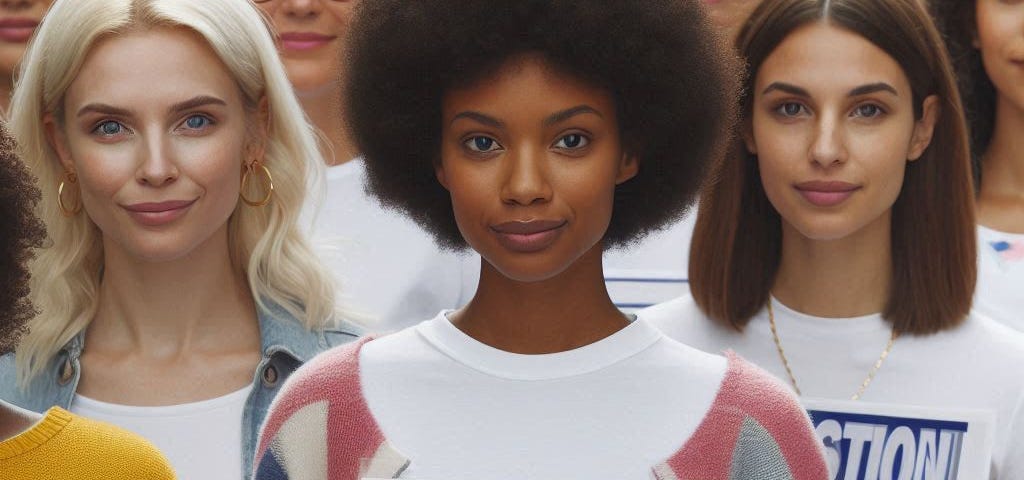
(829, 146)
(526, 180)
(157, 167)
(302, 9)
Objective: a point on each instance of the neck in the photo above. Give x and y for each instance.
(842, 278)
(1001, 200)
(323, 106)
(197, 303)
(14, 420)
(6, 87)
(559, 314)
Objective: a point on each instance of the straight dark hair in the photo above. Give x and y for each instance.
(737, 241)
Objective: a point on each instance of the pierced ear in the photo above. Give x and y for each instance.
(58, 142)
(924, 128)
(629, 166)
(258, 146)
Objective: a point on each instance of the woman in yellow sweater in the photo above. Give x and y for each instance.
(57, 445)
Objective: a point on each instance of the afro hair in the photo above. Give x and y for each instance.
(21, 234)
(672, 77)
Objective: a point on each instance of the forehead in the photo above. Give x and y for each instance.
(824, 58)
(155, 66)
(527, 80)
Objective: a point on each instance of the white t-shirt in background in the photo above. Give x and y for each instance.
(386, 268)
(977, 365)
(202, 440)
(461, 409)
(653, 270)
(1000, 290)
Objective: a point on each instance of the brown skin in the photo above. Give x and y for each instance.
(145, 346)
(317, 74)
(1000, 203)
(835, 259)
(11, 51)
(534, 166)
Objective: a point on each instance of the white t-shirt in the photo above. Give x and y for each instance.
(976, 365)
(202, 440)
(387, 269)
(1000, 290)
(461, 409)
(653, 270)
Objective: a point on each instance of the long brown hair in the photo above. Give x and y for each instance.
(737, 241)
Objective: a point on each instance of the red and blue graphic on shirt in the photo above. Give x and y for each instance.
(1009, 251)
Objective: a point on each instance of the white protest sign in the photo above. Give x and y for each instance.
(873, 441)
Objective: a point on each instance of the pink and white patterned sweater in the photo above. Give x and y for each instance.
(320, 427)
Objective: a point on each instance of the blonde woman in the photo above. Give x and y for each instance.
(175, 293)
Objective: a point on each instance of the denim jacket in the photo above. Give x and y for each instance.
(284, 344)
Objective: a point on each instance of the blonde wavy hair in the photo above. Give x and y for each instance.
(265, 242)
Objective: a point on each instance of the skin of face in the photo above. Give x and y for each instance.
(311, 39)
(155, 117)
(1000, 38)
(831, 107)
(532, 144)
(17, 22)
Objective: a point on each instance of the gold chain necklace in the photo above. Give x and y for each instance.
(792, 379)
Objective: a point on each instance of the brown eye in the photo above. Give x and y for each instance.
(868, 111)
(481, 144)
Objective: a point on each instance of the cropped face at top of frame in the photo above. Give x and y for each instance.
(311, 37)
(155, 129)
(531, 158)
(18, 20)
(1000, 37)
(833, 128)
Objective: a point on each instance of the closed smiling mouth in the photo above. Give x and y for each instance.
(528, 236)
(826, 193)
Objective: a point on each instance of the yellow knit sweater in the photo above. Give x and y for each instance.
(63, 446)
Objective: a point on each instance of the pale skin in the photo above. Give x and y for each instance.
(829, 106)
(14, 420)
(15, 41)
(1000, 203)
(154, 116)
(315, 68)
(550, 151)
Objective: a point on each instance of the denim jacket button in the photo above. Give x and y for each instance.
(270, 376)
(67, 371)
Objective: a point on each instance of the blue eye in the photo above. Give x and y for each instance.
(196, 122)
(572, 141)
(482, 144)
(109, 128)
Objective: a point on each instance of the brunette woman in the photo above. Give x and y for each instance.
(986, 41)
(175, 292)
(838, 250)
(538, 133)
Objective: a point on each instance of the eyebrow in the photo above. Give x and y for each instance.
(178, 107)
(551, 120)
(861, 90)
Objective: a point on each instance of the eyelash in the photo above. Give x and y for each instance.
(472, 143)
(780, 110)
(97, 130)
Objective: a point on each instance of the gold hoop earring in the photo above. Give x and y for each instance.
(268, 184)
(64, 210)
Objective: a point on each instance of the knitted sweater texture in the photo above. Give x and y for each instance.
(64, 446)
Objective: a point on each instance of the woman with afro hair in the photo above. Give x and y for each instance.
(56, 445)
(986, 40)
(537, 133)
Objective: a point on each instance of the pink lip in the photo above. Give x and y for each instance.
(17, 30)
(154, 214)
(302, 41)
(528, 236)
(826, 194)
